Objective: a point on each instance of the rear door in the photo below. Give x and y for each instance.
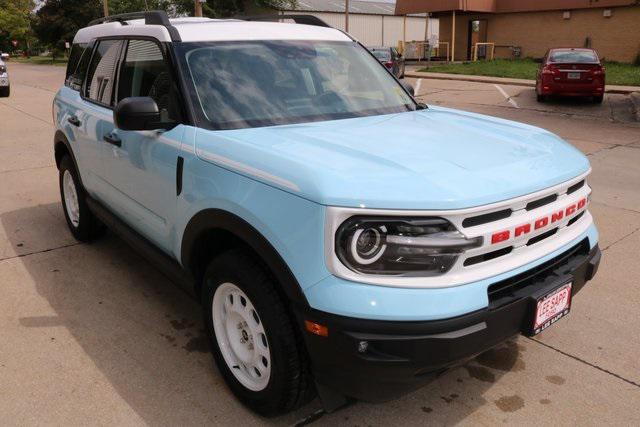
(141, 166)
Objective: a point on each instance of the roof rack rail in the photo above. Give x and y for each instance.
(297, 18)
(152, 17)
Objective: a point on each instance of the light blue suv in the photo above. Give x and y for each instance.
(342, 237)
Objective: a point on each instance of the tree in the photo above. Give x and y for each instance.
(57, 21)
(172, 7)
(14, 20)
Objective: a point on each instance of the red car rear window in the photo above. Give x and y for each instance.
(573, 56)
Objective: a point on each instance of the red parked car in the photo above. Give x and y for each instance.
(571, 72)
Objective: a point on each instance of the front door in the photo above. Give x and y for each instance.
(141, 166)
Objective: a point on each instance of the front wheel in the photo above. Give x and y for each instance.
(82, 223)
(254, 340)
(5, 91)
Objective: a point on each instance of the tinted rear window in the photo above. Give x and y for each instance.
(573, 56)
(382, 54)
(77, 65)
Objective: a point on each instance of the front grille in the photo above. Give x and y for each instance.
(575, 187)
(541, 237)
(513, 288)
(488, 256)
(574, 219)
(541, 202)
(486, 218)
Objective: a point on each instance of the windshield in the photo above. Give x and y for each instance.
(573, 56)
(265, 83)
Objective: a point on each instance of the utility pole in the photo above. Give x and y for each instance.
(198, 8)
(105, 5)
(346, 15)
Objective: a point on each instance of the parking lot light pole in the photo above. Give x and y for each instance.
(198, 8)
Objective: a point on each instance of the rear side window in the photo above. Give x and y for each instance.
(573, 56)
(101, 72)
(77, 66)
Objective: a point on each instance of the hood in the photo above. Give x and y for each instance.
(436, 158)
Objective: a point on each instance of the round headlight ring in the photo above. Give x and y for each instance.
(367, 245)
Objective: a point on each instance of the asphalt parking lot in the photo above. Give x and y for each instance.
(90, 334)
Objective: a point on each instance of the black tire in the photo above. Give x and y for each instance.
(87, 227)
(5, 91)
(598, 99)
(290, 385)
(541, 98)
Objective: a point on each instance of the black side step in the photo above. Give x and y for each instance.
(167, 265)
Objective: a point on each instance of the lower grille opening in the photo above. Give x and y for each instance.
(488, 256)
(540, 237)
(513, 288)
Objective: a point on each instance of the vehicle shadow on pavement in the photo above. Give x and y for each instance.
(142, 336)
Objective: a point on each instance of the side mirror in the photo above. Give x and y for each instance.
(138, 113)
(408, 87)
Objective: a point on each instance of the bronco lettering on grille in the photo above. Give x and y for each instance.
(524, 229)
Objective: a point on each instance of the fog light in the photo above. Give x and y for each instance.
(363, 346)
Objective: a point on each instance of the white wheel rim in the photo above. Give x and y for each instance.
(71, 198)
(241, 337)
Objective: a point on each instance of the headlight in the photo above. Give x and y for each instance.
(400, 246)
(3, 69)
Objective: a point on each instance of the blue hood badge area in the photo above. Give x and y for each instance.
(431, 159)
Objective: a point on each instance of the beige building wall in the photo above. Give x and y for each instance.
(616, 38)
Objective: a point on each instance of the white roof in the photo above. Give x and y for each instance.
(204, 29)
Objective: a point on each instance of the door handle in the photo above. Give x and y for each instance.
(112, 139)
(74, 121)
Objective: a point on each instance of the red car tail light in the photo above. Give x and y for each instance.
(550, 70)
(598, 71)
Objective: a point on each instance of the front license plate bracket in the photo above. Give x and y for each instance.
(549, 305)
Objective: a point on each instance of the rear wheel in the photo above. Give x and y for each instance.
(253, 338)
(541, 98)
(598, 99)
(82, 223)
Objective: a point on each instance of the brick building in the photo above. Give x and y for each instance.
(530, 27)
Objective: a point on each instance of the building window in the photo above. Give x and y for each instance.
(566, 14)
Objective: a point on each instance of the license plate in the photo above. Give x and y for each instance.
(551, 308)
(4, 82)
(573, 76)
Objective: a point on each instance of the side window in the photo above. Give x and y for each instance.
(78, 64)
(101, 72)
(144, 72)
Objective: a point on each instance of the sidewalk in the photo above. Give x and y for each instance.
(624, 90)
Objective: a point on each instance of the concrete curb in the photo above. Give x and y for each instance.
(635, 100)
(622, 90)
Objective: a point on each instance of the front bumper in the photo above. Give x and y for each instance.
(403, 355)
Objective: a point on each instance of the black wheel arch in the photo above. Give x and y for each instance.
(213, 231)
(61, 148)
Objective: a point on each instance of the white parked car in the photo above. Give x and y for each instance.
(5, 87)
